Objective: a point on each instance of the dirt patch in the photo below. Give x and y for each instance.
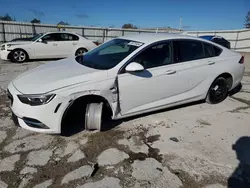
(203, 122)
(100, 141)
(4, 106)
(237, 110)
(188, 181)
(242, 100)
(153, 138)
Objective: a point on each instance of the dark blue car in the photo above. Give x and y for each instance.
(218, 40)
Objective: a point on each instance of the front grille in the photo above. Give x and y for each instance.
(10, 97)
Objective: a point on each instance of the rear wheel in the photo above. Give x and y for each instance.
(19, 56)
(218, 91)
(80, 51)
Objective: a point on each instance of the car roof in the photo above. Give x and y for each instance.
(155, 37)
(61, 32)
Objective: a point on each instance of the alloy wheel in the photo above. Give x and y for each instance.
(19, 55)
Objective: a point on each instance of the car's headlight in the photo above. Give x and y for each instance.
(9, 45)
(36, 100)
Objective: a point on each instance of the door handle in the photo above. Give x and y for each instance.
(74, 43)
(168, 72)
(210, 62)
(54, 44)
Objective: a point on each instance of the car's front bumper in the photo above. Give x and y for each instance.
(4, 54)
(44, 118)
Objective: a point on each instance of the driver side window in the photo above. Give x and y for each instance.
(50, 37)
(155, 56)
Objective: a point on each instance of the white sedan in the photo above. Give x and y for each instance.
(124, 77)
(48, 45)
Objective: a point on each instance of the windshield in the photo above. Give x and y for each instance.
(109, 54)
(37, 37)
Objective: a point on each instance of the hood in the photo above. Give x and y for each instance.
(11, 44)
(18, 42)
(56, 75)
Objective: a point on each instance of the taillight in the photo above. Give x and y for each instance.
(241, 60)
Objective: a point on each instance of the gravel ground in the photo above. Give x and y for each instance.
(196, 146)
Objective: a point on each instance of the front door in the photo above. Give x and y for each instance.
(48, 48)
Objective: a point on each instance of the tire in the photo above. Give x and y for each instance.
(218, 91)
(81, 51)
(19, 56)
(93, 116)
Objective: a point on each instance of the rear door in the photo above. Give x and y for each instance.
(195, 62)
(68, 44)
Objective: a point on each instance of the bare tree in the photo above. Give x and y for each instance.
(7, 17)
(247, 21)
(35, 21)
(129, 26)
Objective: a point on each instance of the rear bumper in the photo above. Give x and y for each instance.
(236, 89)
(238, 75)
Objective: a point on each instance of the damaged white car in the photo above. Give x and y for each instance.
(124, 77)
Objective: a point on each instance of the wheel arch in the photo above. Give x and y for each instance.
(225, 75)
(228, 77)
(80, 47)
(28, 55)
(80, 103)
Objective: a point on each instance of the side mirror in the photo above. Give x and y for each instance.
(134, 67)
(43, 41)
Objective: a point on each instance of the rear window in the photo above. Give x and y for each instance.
(211, 50)
(68, 37)
(188, 50)
(217, 51)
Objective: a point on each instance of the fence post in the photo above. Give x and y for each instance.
(3, 29)
(20, 32)
(237, 37)
(123, 32)
(33, 29)
(107, 31)
(83, 32)
(103, 36)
